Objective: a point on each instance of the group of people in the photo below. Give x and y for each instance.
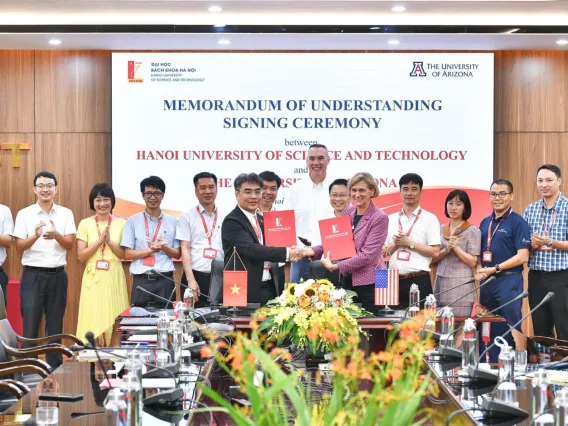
(410, 240)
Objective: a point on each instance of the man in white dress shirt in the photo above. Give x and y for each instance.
(413, 239)
(6, 231)
(309, 198)
(199, 233)
(44, 233)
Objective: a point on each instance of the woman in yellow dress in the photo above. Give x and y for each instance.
(103, 289)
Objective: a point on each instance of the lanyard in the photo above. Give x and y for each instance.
(103, 247)
(413, 223)
(208, 233)
(491, 235)
(544, 224)
(148, 230)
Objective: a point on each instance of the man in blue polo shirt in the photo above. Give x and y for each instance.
(505, 241)
(149, 241)
(548, 263)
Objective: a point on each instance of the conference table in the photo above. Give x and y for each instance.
(77, 377)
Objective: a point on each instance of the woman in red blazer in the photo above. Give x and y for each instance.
(370, 226)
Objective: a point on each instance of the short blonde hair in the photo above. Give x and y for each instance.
(366, 178)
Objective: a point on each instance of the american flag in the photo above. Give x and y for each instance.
(386, 287)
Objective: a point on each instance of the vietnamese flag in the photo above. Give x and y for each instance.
(234, 288)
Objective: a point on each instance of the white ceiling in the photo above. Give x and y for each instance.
(284, 41)
(283, 12)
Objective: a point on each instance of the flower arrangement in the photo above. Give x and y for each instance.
(312, 315)
(384, 388)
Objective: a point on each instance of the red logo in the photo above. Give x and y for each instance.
(418, 70)
(135, 72)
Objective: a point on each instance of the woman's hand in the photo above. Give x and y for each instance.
(325, 261)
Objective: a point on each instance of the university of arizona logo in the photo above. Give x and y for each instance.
(418, 70)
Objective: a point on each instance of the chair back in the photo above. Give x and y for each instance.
(318, 272)
(216, 283)
(8, 336)
(3, 313)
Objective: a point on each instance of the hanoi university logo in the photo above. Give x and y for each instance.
(279, 222)
(135, 72)
(418, 69)
(335, 229)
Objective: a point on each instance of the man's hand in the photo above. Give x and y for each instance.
(401, 240)
(192, 284)
(38, 229)
(51, 234)
(158, 245)
(537, 241)
(484, 273)
(295, 254)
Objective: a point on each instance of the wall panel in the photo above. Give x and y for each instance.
(72, 91)
(16, 91)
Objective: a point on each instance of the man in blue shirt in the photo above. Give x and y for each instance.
(548, 262)
(149, 242)
(505, 242)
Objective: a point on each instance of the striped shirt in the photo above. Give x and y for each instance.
(540, 218)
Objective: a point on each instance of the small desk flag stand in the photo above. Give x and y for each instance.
(235, 287)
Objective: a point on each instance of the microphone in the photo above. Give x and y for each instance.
(90, 338)
(477, 374)
(142, 289)
(211, 301)
(487, 281)
(472, 280)
(78, 348)
(454, 353)
(81, 415)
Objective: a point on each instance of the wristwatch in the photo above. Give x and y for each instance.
(497, 269)
(411, 246)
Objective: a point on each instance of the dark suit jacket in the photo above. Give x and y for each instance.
(237, 232)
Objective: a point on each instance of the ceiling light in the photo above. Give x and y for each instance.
(214, 9)
(224, 41)
(54, 42)
(218, 25)
(398, 9)
(561, 42)
(393, 42)
(514, 30)
(375, 28)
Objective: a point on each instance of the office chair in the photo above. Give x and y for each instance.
(318, 272)
(216, 283)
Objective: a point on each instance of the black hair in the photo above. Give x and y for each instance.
(411, 178)
(45, 175)
(464, 198)
(104, 190)
(247, 178)
(503, 182)
(344, 182)
(554, 169)
(154, 182)
(270, 177)
(204, 175)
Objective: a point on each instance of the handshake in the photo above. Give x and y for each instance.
(298, 253)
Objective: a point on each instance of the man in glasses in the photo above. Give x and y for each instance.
(505, 245)
(44, 233)
(243, 232)
(150, 243)
(548, 263)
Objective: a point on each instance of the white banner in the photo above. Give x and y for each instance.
(177, 114)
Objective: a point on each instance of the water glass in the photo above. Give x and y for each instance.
(162, 359)
(520, 361)
(47, 416)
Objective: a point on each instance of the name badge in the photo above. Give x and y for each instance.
(487, 256)
(209, 253)
(149, 261)
(103, 265)
(403, 255)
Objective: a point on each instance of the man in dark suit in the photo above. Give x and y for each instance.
(243, 230)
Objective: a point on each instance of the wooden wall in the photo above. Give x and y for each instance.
(60, 103)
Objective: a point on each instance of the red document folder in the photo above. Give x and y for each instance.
(337, 237)
(280, 228)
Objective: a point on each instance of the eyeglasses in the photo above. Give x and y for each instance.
(44, 186)
(502, 194)
(341, 196)
(248, 192)
(156, 194)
